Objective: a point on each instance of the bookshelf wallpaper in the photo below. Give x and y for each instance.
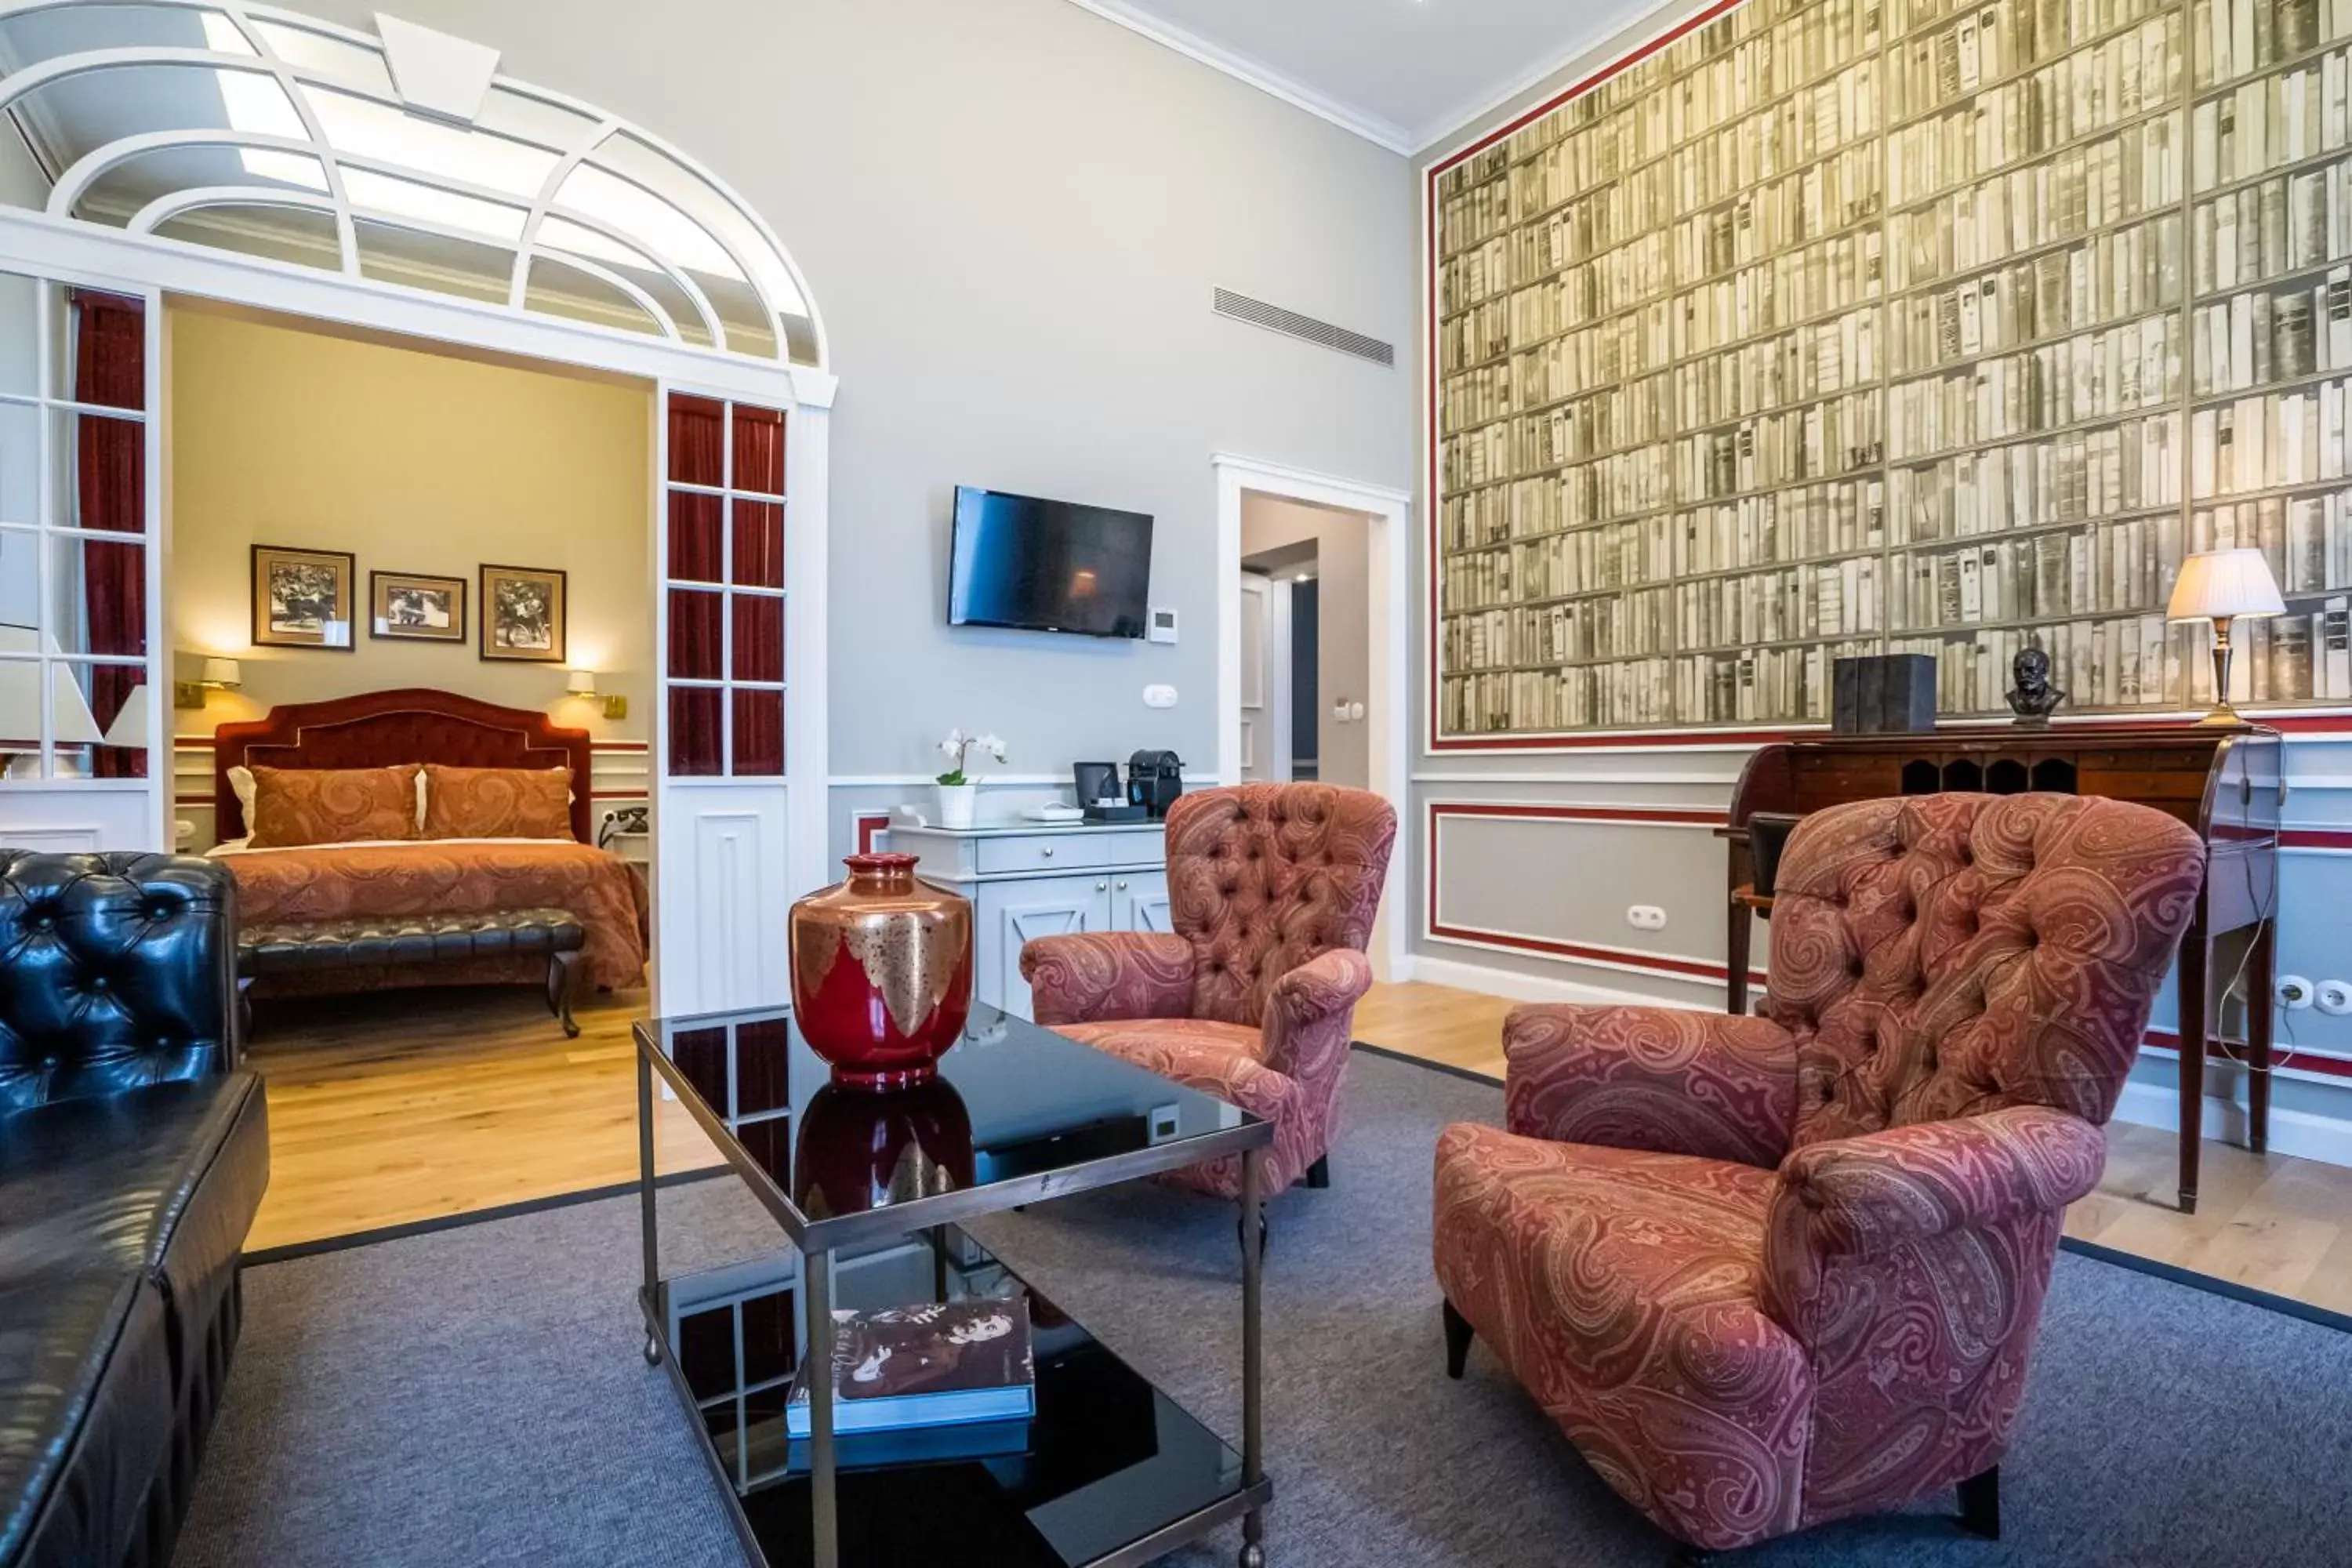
(1860, 326)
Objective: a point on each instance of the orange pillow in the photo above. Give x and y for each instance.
(332, 805)
(497, 802)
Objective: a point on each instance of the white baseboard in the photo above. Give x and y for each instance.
(1520, 988)
(2303, 1133)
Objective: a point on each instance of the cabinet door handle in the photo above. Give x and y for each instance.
(1122, 884)
(1047, 852)
(1100, 886)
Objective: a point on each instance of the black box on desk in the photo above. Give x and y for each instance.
(1884, 694)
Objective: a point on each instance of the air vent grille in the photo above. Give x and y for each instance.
(1290, 323)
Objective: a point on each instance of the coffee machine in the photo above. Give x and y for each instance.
(1154, 780)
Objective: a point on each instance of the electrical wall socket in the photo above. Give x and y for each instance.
(2335, 996)
(1163, 1123)
(1646, 917)
(2294, 991)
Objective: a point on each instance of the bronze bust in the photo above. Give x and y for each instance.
(2033, 697)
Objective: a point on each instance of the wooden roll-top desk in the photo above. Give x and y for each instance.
(2225, 781)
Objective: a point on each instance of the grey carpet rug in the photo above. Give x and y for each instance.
(476, 1395)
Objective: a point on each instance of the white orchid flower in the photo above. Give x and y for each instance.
(991, 745)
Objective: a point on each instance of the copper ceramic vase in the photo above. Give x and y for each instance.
(881, 973)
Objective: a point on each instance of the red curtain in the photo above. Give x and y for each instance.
(759, 450)
(697, 441)
(110, 480)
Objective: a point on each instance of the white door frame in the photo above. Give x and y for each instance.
(44, 245)
(1388, 509)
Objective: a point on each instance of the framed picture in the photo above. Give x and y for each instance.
(410, 609)
(522, 613)
(301, 598)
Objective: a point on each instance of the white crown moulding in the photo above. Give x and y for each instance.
(1379, 130)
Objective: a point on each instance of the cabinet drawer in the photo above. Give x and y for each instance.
(1043, 852)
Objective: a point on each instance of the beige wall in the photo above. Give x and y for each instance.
(1343, 648)
(413, 462)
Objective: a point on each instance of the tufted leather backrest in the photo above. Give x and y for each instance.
(1264, 877)
(1939, 956)
(116, 972)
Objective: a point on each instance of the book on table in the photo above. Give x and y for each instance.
(925, 1364)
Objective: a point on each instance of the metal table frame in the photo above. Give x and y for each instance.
(817, 1241)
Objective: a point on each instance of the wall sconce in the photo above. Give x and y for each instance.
(582, 683)
(219, 675)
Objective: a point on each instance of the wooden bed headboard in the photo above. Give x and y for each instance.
(378, 729)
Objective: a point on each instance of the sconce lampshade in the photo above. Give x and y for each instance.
(582, 683)
(223, 674)
(2220, 584)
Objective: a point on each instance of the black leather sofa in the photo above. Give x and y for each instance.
(133, 1153)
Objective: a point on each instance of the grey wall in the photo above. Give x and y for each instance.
(1010, 215)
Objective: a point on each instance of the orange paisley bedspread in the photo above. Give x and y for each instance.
(332, 881)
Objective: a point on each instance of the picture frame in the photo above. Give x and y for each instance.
(522, 614)
(409, 606)
(302, 598)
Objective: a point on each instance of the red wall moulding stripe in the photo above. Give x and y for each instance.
(2316, 838)
(869, 824)
(205, 744)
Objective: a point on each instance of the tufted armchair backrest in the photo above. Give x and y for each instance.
(1264, 877)
(1939, 956)
(116, 972)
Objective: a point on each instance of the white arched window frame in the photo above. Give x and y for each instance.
(645, 183)
(732, 848)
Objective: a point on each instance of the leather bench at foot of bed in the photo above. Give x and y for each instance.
(371, 941)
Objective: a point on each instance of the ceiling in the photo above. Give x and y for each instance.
(1403, 72)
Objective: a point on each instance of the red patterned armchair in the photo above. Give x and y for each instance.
(1771, 1271)
(1271, 888)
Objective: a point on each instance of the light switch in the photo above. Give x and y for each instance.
(1160, 697)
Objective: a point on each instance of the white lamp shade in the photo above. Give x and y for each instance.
(130, 726)
(223, 672)
(2220, 584)
(582, 683)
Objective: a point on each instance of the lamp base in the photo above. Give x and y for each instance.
(2223, 715)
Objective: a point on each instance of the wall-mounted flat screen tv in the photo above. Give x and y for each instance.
(1048, 565)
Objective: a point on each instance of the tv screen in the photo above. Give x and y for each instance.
(1048, 565)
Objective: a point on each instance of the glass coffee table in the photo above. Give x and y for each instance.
(867, 1192)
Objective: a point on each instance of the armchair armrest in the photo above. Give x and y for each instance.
(1099, 976)
(1865, 1196)
(1661, 1078)
(1308, 1014)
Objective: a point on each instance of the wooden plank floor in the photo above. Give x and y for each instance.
(417, 1105)
(2270, 1221)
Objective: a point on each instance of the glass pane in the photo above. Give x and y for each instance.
(559, 233)
(698, 435)
(694, 636)
(20, 463)
(758, 544)
(20, 314)
(759, 734)
(441, 263)
(100, 474)
(430, 147)
(100, 341)
(101, 715)
(79, 113)
(97, 600)
(20, 590)
(355, 63)
(116, 196)
(533, 120)
(299, 235)
(759, 637)
(556, 288)
(694, 544)
(694, 730)
(20, 719)
(759, 450)
(29, 37)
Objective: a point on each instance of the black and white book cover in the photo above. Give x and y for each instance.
(925, 1364)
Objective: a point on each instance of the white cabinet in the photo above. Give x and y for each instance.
(1025, 883)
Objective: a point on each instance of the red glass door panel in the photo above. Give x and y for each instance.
(759, 734)
(759, 544)
(697, 553)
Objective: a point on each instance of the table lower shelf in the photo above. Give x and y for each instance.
(1110, 1472)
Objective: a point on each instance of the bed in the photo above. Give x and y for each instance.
(428, 876)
